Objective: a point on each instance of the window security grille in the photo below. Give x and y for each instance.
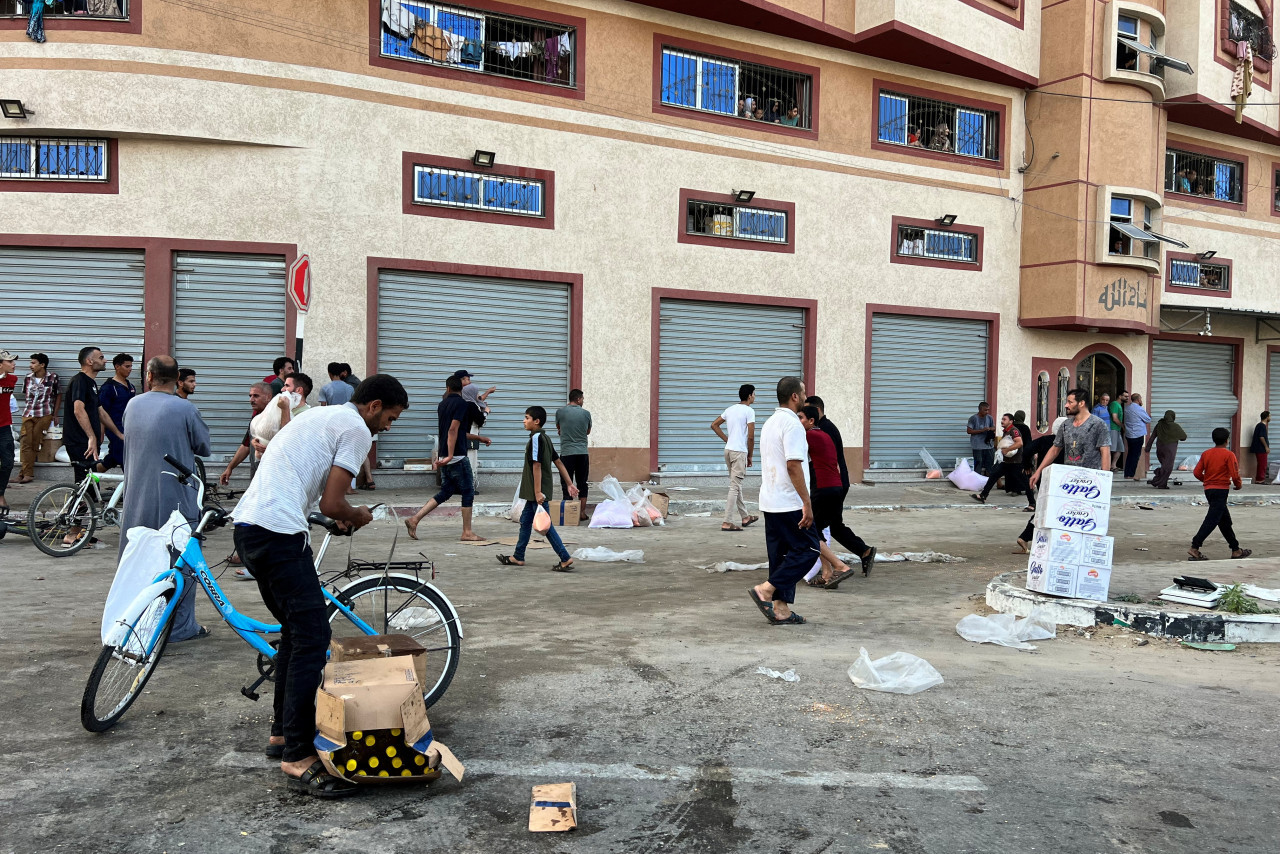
(1193, 274)
(1244, 25)
(452, 188)
(728, 87)
(115, 9)
(938, 245)
(736, 222)
(1203, 175)
(474, 40)
(1276, 185)
(40, 158)
(918, 122)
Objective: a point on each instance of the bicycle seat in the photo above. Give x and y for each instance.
(328, 524)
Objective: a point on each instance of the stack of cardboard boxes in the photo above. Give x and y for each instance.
(1071, 552)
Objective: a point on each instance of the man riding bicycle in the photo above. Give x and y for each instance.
(313, 458)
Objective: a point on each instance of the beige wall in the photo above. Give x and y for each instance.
(961, 24)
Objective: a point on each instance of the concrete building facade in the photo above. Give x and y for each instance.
(936, 222)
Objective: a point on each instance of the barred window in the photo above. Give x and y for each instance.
(50, 159)
(1203, 175)
(736, 222)
(1199, 274)
(936, 244)
(112, 9)
(1244, 25)
(1275, 202)
(475, 40)
(918, 122)
(453, 188)
(731, 87)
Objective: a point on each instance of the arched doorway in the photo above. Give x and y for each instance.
(1100, 373)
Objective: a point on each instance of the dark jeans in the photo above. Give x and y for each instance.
(6, 456)
(284, 568)
(792, 551)
(1133, 454)
(828, 512)
(983, 460)
(1014, 480)
(1218, 516)
(526, 531)
(579, 468)
(456, 479)
(1167, 455)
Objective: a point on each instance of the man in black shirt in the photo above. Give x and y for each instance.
(82, 415)
(827, 426)
(456, 477)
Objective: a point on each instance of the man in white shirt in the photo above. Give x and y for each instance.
(789, 534)
(312, 459)
(739, 447)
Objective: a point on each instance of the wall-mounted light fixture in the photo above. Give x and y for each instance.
(743, 196)
(12, 108)
(946, 221)
(1205, 256)
(483, 159)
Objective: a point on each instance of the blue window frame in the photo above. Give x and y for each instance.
(938, 245)
(893, 119)
(762, 224)
(729, 87)
(50, 159)
(971, 132)
(453, 188)
(736, 222)
(927, 123)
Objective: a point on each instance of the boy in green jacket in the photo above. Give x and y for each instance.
(539, 458)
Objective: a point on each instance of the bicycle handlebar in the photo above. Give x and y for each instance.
(328, 524)
(182, 470)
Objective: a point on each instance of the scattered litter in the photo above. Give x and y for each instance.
(1007, 629)
(789, 676)
(734, 566)
(707, 513)
(898, 673)
(601, 554)
(914, 557)
(966, 478)
(1192, 592)
(1145, 507)
(1140, 641)
(1271, 594)
(933, 471)
(553, 807)
(1142, 550)
(616, 511)
(1137, 535)
(681, 488)
(450, 554)
(482, 542)
(1210, 647)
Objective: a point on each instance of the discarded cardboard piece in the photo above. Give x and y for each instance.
(477, 542)
(365, 647)
(553, 807)
(661, 502)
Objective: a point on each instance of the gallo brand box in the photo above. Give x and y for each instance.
(1057, 545)
(1074, 499)
(1075, 482)
(1070, 580)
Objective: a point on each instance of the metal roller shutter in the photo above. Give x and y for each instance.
(707, 350)
(56, 301)
(928, 375)
(512, 334)
(1273, 388)
(229, 325)
(1195, 380)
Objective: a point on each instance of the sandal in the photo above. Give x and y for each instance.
(868, 561)
(563, 567)
(243, 574)
(274, 751)
(792, 619)
(319, 783)
(730, 528)
(749, 520)
(507, 560)
(1194, 554)
(1243, 553)
(835, 582)
(766, 608)
(817, 581)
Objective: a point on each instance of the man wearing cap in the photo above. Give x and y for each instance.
(472, 394)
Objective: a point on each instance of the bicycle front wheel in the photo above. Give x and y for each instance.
(61, 520)
(122, 670)
(403, 606)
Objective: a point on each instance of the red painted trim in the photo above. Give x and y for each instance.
(660, 41)
(1052, 366)
(809, 306)
(1053, 264)
(993, 357)
(987, 69)
(111, 186)
(1018, 21)
(577, 92)
(1237, 373)
(1222, 154)
(682, 236)
(1198, 110)
(1081, 323)
(133, 25)
(412, 265)
(1225, 44)
(548, 178)
(878, 84)
(894, 258)
(1199, 292)
(158, 275)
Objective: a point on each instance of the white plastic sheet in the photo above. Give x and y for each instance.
(1007, 629)
(789, 676)
(966, 478)
(734, 566)
(601, 554)
(145, 557)
(897, 673)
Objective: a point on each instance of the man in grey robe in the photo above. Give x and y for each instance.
(158, 423)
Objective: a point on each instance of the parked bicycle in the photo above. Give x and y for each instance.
(386, 603)
(62, 519)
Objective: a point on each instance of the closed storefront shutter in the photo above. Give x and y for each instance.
(1273, 387)
(1195, 380)
(55, 301)
(229, 326)
(928, 375)
(707, 350)
(508, 333)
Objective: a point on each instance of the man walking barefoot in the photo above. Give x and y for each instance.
(789, 535)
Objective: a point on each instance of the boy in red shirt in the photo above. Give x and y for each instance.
(1220, 473)
(828, 502)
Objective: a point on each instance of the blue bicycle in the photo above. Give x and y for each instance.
(389, 602)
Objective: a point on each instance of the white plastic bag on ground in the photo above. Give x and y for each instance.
(601, 554)
(898, 673)
(615, 512)
(646, 514)
(146, 556)
(966, 478)
(734, 566)
(932, 469)
(1007, 629)
(266, 424)
(1189, 463)
(789, 676)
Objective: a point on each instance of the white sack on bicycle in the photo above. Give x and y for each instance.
(266, 424)
(145, 557)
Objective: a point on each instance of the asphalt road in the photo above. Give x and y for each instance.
(639, 683)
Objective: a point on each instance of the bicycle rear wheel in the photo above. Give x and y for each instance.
(58, 512)
(403, 606)
(122, 670)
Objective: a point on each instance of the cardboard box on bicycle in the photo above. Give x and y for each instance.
(380, 646)
(372, 724)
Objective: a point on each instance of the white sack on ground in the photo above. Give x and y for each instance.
(789, 676)
(1007, 629)
(601, 554)
(616, 511)
(966, 478)
(898, 673)
(914, 557)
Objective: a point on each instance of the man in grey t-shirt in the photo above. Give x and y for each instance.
(982, 432)
(573, 425)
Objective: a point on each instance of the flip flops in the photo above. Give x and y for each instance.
(793, 619)
(562, 567)
(766, 608)
(319, 783)
(868, 561)
(508, 560)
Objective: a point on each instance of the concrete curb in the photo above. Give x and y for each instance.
(1005, 596)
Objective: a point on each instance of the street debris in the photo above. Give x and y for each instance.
(733, 566)
(553, 807)
(914, 557)
(966, 478)
(602, 554)
(630, 509)
(698, 515)
(1007, 629)
(1271, 594)
(933, 471)
(897, 673)
(1209, 647)
(789, 676)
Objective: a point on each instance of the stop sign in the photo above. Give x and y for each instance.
(299, 280)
